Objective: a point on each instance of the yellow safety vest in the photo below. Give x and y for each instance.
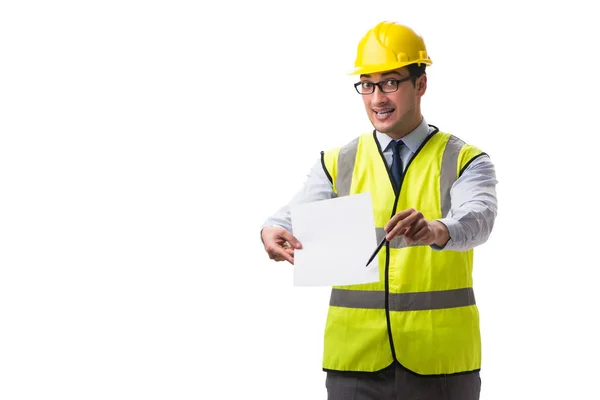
(422, 313)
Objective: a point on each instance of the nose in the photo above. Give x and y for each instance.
(378, 97)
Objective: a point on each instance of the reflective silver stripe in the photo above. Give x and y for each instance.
(345, 167)
(357, 298)
(448, 174)
(432, 300)
(397, 243)
(403, 301)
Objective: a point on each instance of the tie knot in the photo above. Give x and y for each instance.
(396, 146)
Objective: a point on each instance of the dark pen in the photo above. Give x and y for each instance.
(379, 246)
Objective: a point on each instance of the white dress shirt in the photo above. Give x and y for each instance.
(473, 195)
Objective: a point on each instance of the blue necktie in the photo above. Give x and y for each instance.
(396, 162)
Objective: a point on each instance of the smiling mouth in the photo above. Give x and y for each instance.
(384, 113)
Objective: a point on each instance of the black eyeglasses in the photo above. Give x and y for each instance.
(387, 86)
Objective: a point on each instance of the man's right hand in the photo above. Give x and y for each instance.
(279, 243)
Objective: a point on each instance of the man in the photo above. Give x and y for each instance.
(414, 334)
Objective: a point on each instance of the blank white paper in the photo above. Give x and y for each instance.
(338, 237)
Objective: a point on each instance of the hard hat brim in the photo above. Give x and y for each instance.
(372, 69)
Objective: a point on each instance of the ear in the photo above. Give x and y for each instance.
(422, 84)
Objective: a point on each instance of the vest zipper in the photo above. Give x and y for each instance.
(387, 245)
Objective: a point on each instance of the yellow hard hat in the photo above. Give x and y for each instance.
(389, 46)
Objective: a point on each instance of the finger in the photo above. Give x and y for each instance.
(280, 255)
(418, 236)
(414, 228)
(396, 231)
(291, 239)
(287, 254)
(290, 255)
(279, 259)
(404, 219)
(290, 251)
(277, 252)
(396, 218)
(428, 236)
(403, 226)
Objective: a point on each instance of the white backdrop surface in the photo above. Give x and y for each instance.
(142, 145)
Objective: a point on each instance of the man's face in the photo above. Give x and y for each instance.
(396, 113)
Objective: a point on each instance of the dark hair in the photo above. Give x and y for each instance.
(415, 71)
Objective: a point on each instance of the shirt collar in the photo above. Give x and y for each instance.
(413, 140)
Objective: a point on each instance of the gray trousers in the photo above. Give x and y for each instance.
(396, 383)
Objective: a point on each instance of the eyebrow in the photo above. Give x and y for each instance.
(383, 74)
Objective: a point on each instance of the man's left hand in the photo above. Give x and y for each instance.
(415, 228)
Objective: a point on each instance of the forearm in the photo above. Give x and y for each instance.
(471, 229)
(470, 220)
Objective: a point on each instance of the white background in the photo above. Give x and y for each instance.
(144, 143)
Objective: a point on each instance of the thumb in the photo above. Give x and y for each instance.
(291, 239)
